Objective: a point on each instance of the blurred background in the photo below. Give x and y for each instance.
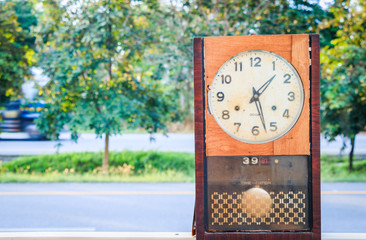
(102, 91)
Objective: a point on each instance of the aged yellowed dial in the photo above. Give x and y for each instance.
(256, 96)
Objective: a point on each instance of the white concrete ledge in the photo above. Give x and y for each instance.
(139, 236)
(97, 235)
(344, 236)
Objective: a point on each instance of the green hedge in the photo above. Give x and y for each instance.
(335, 169)
(128, 162)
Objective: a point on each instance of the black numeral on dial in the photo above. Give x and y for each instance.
(273, 126)
(220, 96)
(225, 114)
(238, 126)
(255, 130)
(287, 78)
(238, 66)
(286, 114)
(225, 79)
(291, 96)
(256, 62)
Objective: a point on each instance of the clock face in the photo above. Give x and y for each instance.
(256, 96)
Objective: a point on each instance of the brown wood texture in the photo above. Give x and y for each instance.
(297, 140)
(294, 48)
(199, 132)
(296, 42)
(315, 133)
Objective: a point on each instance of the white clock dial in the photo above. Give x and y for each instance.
(256, 96)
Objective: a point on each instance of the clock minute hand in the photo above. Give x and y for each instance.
(265, 85)
(262, 88)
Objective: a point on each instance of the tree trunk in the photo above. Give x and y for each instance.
(350, 167)
(105, 164)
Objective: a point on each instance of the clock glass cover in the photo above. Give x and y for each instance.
(256, 96)
(258, 193)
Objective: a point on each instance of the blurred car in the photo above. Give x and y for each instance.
(18, 117)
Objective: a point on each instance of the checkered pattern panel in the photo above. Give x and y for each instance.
(287, 208)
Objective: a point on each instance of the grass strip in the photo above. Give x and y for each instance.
(335, 169)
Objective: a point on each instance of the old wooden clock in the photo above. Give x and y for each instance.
(257, 137)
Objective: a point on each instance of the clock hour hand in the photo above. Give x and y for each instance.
(262, 89)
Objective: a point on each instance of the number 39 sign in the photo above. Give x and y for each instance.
(257, 137)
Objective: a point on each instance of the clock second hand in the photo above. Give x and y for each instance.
(259, 107)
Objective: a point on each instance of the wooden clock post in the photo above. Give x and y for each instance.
(257, 189)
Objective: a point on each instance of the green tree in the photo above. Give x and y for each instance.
(93, 52)
(16, 46)
(343, 85)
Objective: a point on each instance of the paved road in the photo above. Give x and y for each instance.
(90, 143)
(174, 142)
(342, 210)
(144, 207)
(96, 207)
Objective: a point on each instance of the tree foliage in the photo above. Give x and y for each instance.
(16, 46)
(343, 84)
(93, 51)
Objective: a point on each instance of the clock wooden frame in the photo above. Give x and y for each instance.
(302, 51)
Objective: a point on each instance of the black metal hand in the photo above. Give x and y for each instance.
(259, 108)
(262, 89)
